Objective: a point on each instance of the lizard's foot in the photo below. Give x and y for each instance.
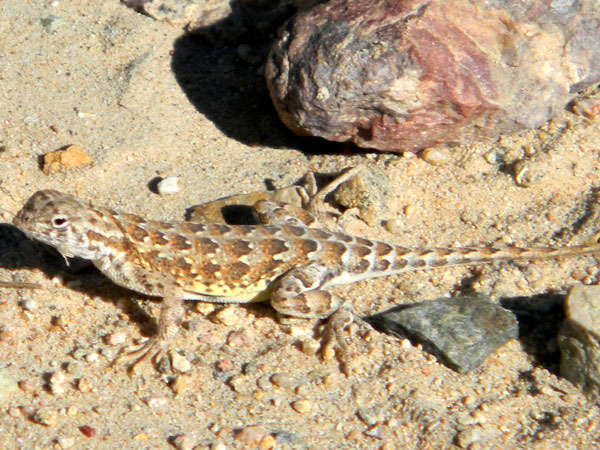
(150, 351)
(334, 335)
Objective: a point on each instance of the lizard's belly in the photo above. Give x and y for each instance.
(228, 293)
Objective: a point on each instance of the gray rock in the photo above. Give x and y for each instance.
(579, 340)
(460, 331)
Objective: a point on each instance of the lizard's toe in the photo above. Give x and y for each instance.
(148, 352)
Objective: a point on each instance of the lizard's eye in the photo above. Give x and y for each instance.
(59, 221)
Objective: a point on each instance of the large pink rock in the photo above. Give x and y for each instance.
(405, 75)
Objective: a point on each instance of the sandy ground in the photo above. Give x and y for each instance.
(145, 102)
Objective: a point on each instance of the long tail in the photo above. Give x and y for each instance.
(448, 257)
(386, 259)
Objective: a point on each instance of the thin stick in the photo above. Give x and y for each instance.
(19, 285)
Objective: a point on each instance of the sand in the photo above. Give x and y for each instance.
(117, 84)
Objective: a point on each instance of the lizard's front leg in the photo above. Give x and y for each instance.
(171, 312)
(298, 294)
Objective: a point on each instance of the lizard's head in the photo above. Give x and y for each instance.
(64, 222)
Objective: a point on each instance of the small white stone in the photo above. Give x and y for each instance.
(436, 156)
(394, 226)
(66, 442)
(168, 186)
(91, 357)
(185, 442)
(29, 305)
(230, 316)
(57, 383)
(157, 402)
(310, 347)
(179, 363)
(116, 338)
(491, 156)
(301, 406)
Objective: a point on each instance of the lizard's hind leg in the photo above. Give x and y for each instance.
(299, 294)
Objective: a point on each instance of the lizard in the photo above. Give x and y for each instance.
(287, 259)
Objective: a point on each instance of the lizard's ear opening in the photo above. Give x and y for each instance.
(59, 221)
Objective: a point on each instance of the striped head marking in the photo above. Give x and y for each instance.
(66, 223)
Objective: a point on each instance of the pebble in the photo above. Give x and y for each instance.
(241, 338)
(302, 406)
(84, 385)
(68, 158)
(57, 383)
(469, 400)
(157, 402)
(264, 383)
(205, 308)
(354, 435)
(250, 368)
(66, 442)
(28, 386)
(168, 185)
(140, 436)
(60, 321)
(267, 443)
(251, 435)
(118, 338)
(179, 363)
(491, 156)
(79, 354)
(45, 416)
(6, 334)
(238, 383)
(302, 390)
(185, 442)
(466, 438)
(92, 357)
(223, 432)
(181, 384)
(87, 431)
(375, 431)
(587, 107)
(229, 316)
(224, 365)
(283, 380)
(521, 173)
(73, 368)
(28, 304)
(394, 226)
(370, 415)
(437, 156)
